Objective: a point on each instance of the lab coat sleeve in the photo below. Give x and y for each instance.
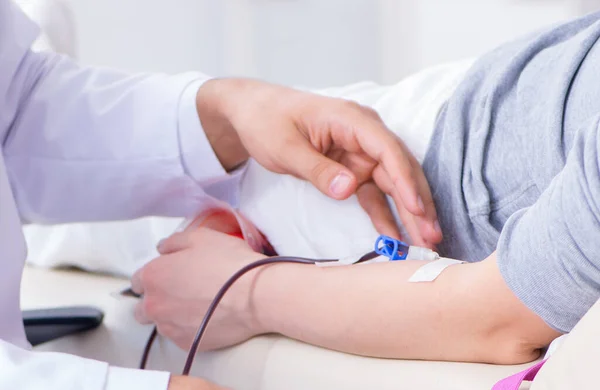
(87, 144)
(25, 370)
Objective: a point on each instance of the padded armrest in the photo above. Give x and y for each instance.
(267, 363)
(574, 364)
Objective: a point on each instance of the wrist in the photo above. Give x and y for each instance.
(272, 294)
(243, 291)
(211, 102)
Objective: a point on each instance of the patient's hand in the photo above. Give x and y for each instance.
(179, 286)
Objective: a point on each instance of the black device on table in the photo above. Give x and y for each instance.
(43, 325)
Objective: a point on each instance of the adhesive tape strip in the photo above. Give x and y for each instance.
(430, 271)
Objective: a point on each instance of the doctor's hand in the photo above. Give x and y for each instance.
(178, 287)
(341, 147)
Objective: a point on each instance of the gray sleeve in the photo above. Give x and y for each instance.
(549, 254)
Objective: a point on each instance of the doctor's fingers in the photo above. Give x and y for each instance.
(416, 231)
(430, 227)
(383, 146)
(374, 202)
(301, 159)
(427, 222)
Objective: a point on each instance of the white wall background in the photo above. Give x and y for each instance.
(304, 42)
(427, 32)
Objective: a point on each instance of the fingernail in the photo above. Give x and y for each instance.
(340, 184)
(421, 204)
(159, 245)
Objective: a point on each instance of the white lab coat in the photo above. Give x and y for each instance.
(84, 144)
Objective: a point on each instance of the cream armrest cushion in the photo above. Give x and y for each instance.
(574, 365)
(267, 363)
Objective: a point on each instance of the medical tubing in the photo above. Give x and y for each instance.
(226, 287)
(416, 252)
(146, 354)
(221, 293)
(217, 299)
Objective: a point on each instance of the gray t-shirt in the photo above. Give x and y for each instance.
(514, 165)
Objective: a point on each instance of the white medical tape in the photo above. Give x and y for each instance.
(430, 271)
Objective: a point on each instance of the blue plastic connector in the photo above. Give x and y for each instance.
(391, 248)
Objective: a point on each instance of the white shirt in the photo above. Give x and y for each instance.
(85, 144)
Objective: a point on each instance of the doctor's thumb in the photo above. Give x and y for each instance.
(330, 177)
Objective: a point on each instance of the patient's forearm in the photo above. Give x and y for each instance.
(467, 314)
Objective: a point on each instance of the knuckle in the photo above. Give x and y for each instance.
(371, 112)
(394, 147)
(410, 177)
(150, 307)
(404, 169)
(147, 276)
(429, 202)
(319, 170)
(351, 105)
(361, 109)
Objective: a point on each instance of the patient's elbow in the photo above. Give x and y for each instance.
(511, 352)
(517, 344)
(506, 331)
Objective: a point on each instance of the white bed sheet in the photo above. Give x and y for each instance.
(313, 222)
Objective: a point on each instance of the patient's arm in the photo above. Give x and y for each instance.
(467, 314)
